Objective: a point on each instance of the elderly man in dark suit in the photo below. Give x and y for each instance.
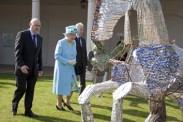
(28, 65)
(81, 57)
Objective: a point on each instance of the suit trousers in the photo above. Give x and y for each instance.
(82, 80)
(25, 84)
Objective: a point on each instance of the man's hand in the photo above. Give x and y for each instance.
(114, 61)
(24, 69)
(86, 68)
(40, 73)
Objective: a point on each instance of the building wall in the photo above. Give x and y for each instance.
(55, 26)
(10, 23)
(173, 13)
(55, 17)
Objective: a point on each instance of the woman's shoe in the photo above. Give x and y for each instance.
(68, 106)
(60, 109)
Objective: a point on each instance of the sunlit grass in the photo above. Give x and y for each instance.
(135, 109)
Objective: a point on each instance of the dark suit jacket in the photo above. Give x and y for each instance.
(81, 57)
(26, 54)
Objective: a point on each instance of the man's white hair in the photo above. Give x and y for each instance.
(79, 25)
(34, 19)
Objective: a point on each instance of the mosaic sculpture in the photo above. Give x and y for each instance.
(152, 71)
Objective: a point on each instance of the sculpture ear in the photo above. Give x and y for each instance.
(90, 56)
(172, 41)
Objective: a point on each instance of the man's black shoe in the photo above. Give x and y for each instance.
(30, 114)
(14, 112)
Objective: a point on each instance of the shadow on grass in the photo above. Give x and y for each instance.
(134, 101)
(169, 103)
(4, 85)
(45, 78)
(137, 113)
(6, 80)
(42, 118)
(76, 112)
(7, 76)
(127, 120)
(102, 107)
(144, 115)
(102, 117)
(97, 106)
(173, 119)
(108, 118)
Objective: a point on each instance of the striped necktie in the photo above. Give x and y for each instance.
(80, 41)
(34, 40)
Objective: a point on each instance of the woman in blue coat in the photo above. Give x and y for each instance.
(64, 79)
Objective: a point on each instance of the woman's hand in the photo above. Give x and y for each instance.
(72, 62)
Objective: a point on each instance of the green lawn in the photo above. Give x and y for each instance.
(135, 109)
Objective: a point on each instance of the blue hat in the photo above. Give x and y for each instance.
(70, 29)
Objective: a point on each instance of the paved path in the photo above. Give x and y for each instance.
(6, 68)
(47, 71)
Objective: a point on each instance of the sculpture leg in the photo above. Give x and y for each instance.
(176, 93)
(99, 76)
(181, 104)
(117, 111)
(157, 108)
(136, 89)
(86, 113)
(177, 98)
(84, 98)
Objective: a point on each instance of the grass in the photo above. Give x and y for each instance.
(135, 109)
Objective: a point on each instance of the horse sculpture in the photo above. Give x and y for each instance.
(155, 66)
